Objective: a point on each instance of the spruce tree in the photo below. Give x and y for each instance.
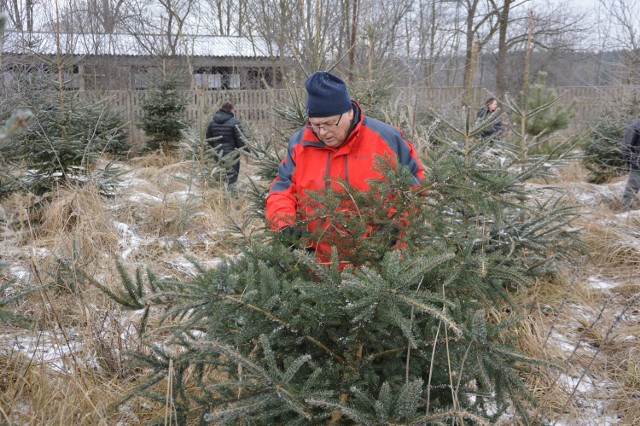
(14, 120)
(418, 330)
(163, 114)
(602, 156)
(63, 138)
(61, 143)
(8, 294)
(545, 117)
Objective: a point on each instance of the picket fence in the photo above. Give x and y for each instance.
(257, 106)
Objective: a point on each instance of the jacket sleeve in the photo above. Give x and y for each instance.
(631, 143)
(408, 157)
(282, 202)
(209, 133)
(240, 134)
(404, 150)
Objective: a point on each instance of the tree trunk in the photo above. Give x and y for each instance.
(503, 24)
(352, 42)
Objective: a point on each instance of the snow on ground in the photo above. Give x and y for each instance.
(20, 274)
(129, 241)
(44, 347)
(598, 283)
(57, 350)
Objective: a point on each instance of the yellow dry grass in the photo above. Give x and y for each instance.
(610, 247)
(172, 217)
(572, 172)
(35, 391)
(76, 225)
(586, 332)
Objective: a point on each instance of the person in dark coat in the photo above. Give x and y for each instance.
(225, 134)
(631, 154)
(488, 112)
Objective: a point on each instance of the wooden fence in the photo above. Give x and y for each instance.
(257, 106)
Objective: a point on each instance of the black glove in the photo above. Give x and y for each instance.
(291, 236)
(392, 232)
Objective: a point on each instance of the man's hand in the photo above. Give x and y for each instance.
(292, 237)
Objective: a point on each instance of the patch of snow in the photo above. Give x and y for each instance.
(628, 214)
(141, 197)
(21, 274)
(131, 183)
(39, 252)
(588, 395)
(598, 283)
(47, 348)
(561, 342)
(129, 241)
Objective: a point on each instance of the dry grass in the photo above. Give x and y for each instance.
(33, 393)
(161, 216)
(71, 367)
(584, 321)
(624, 400)
(17, 217)
(76, 225)
(572, 172)
(154, 160)
(612, 247)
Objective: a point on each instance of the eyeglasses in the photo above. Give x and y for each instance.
(325, 127)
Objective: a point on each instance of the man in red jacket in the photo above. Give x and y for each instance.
(339, 148)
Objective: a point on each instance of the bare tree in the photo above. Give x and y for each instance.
(308, 30)
(626, 13)
(21, 13)
(353, 35)
(221, 17)
(108, 13)
(503, 25)
(159, 26)
(555, 29)
(480, 26)
(93, 16)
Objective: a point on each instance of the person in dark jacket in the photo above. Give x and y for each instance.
(225, 134)
(631, 154)
(488, 112)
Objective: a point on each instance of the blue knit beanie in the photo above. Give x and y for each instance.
(327, 95)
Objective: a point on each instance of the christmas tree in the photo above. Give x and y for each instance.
(163, 117)
(418, 328)
(603, 158)
(545, 117)
(62, 139)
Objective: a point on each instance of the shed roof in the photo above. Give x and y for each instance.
(138, 45)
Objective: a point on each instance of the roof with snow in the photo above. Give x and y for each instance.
(135, 45)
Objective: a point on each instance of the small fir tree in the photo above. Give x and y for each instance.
(602, 156)
(61, 143)
(64, 138)
(14, 121)
(544, 117)
(163, 115)
(415, 331)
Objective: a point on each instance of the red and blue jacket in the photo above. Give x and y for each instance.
(310, 165)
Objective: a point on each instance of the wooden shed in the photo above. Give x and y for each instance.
(131, 62)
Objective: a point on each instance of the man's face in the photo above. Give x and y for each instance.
(332, 130)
